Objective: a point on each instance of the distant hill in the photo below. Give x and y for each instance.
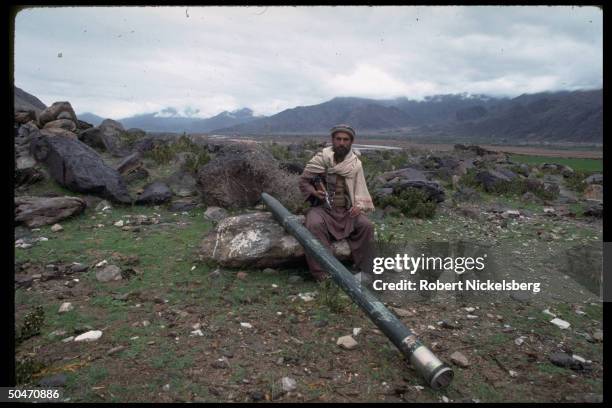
(550, 116)
(566, 116)
(25, 101)
(561, 116)
(90, 118)
(168, 121)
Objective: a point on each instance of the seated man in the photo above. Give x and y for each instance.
(334, 183)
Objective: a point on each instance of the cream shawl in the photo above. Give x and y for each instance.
(351, 169)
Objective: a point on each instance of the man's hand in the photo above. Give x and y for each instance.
(355, 211)
(319, 194)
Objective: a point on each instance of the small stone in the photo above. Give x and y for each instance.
(146, 323)
(288, 384)
(68, 339)
(598, 335)
(101, 263)
(471, 317)
(91, 335)
(57, 333)
(445, 324)
(166, 387)
(445, 398)
(57, 228)
(513, 373)
(115, 350)
(65, 307)
(246, 325)
(469, 309)
(118, 223)
(546, 311)
(222, 362)
(109, 273)
(402, 312)
(562, 324)
(459, 359)
(347, 342)
(307, 297)
(520, 340)
(78, 267)
(197, 332)
(356, 331)
(54, 381)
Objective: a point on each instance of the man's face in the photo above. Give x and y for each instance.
(341, 144)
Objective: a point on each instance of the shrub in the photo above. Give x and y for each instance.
(412, 202)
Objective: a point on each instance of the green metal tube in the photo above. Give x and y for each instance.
(436, 373)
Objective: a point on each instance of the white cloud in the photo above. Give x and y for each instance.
(120, 61)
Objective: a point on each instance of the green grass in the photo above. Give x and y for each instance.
(592, 165)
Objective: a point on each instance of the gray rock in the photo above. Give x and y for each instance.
(215, 214)
(130, 163)
(565, 360)
(38, 211)
(155, 193)
(52, 112)
(54, 381)
(459, 359)
(65, 124)
(491, 179)
(79, 168)
(596, 178)
(109, 273)
(256, 240)
(78, 267)
(288, 384)
(182, 184)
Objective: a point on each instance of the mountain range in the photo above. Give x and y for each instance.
(564, 116)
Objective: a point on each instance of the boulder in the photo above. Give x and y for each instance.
(491, 179)
(155, 193)
(235, 178)
(182, 183)
(27, 171)
(256, 240)
(409, 177)
(130, 163)
(65, 124)
(24, 117)
(82, 125)
(593, 208)
(596, 178)
(53, 132)
(79, 168)
(52, 112)
(145, 144)
(107, 138)
(38, 211)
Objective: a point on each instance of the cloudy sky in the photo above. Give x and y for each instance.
(121, 61)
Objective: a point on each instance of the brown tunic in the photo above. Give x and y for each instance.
(337, 224)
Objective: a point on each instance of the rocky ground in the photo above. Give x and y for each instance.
(176, 329)
(119, 297)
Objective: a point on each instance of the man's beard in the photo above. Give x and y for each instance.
(340, 152)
